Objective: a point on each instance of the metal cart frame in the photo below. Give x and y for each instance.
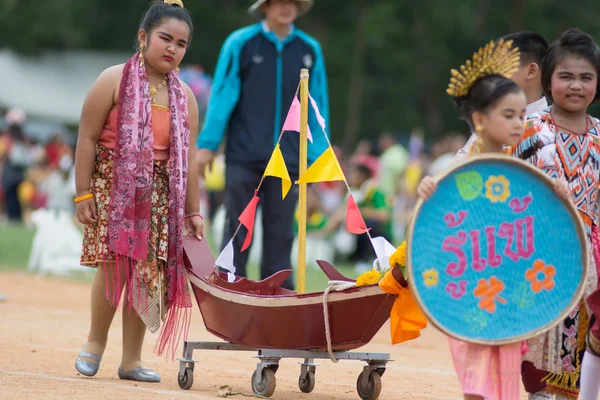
(368, 384)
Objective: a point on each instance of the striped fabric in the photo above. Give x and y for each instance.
(493, 372)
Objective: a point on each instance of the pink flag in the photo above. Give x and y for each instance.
(354, 220)
(320, 118)
(292, 121)
(247, 219)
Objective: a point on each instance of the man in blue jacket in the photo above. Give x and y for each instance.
(256, 78)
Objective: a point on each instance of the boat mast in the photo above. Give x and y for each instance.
(303, 165)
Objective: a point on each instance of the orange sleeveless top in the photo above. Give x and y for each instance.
(161, 127)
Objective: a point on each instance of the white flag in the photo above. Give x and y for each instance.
(383, 250)
(225, 261)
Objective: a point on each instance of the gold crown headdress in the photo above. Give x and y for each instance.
(176, 2)
(493, 59)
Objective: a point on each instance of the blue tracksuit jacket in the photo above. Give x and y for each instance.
(254, 84)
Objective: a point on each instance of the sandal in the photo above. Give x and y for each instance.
(87, 368)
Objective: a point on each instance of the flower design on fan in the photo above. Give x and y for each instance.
(497, 189)
(541, 276)
(493, 59)
(431, 277)
(488, 292)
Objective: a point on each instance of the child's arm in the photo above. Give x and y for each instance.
(334, 221)
(96, 107)
(427, 187)
(194, 224)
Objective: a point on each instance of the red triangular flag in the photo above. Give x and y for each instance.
(354, 220)
(247, 219)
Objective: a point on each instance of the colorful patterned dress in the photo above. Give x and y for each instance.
(575, 158)
(95, 250)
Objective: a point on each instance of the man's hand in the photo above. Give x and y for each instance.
(205, 159)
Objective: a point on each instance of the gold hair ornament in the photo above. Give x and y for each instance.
(174, 2)
(493, 59)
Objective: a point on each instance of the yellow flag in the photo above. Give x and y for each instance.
(325, 169)
(277, 168)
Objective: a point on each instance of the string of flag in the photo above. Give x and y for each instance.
(326, 168)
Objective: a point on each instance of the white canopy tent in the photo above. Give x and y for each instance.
(51, 86)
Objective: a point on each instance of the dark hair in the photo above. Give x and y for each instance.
(532, 46)
(364, 170)
(159, 11)
(486, 92)
(575, 43)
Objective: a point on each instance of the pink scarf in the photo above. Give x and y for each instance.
(131, 193)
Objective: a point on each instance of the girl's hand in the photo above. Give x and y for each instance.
(194, 226)
(426, 188)
(562, 190)
(86, 211)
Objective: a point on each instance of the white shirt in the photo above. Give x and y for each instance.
(535, 107)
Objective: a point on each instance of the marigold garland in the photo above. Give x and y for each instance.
(368, 278)
(398, 259)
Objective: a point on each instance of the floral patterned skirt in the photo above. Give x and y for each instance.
(151, 274)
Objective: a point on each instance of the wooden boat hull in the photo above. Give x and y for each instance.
(292, 322)
(263, 315)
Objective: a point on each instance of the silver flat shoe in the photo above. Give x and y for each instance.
(141, 374)
(87, 368)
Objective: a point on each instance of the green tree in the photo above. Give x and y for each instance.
(388, 61)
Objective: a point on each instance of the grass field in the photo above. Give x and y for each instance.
(16, 241)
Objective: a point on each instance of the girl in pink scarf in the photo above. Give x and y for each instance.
(136, 194)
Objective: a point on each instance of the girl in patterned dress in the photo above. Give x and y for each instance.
(494, 107)
(564, 141)
(136, 194)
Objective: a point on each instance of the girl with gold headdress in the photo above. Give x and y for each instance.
(136, 194)
(494, 107)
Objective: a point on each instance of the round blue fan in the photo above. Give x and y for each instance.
(494, 256)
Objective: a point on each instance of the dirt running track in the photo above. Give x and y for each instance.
(44, 324)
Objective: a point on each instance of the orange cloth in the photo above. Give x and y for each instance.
(161, 127)
(406, 318)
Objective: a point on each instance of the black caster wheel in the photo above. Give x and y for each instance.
(307, 383)
(266, 386)
(372, 389)
(187, 379)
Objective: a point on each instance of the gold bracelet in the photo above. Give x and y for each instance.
(84, 197)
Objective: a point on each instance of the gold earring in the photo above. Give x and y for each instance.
(478, 145)
(141, 56)
(177, 70)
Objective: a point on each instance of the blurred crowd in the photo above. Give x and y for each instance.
(34, 172)
(383, 173)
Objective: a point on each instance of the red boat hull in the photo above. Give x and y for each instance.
(262, 315)
(293, 322)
